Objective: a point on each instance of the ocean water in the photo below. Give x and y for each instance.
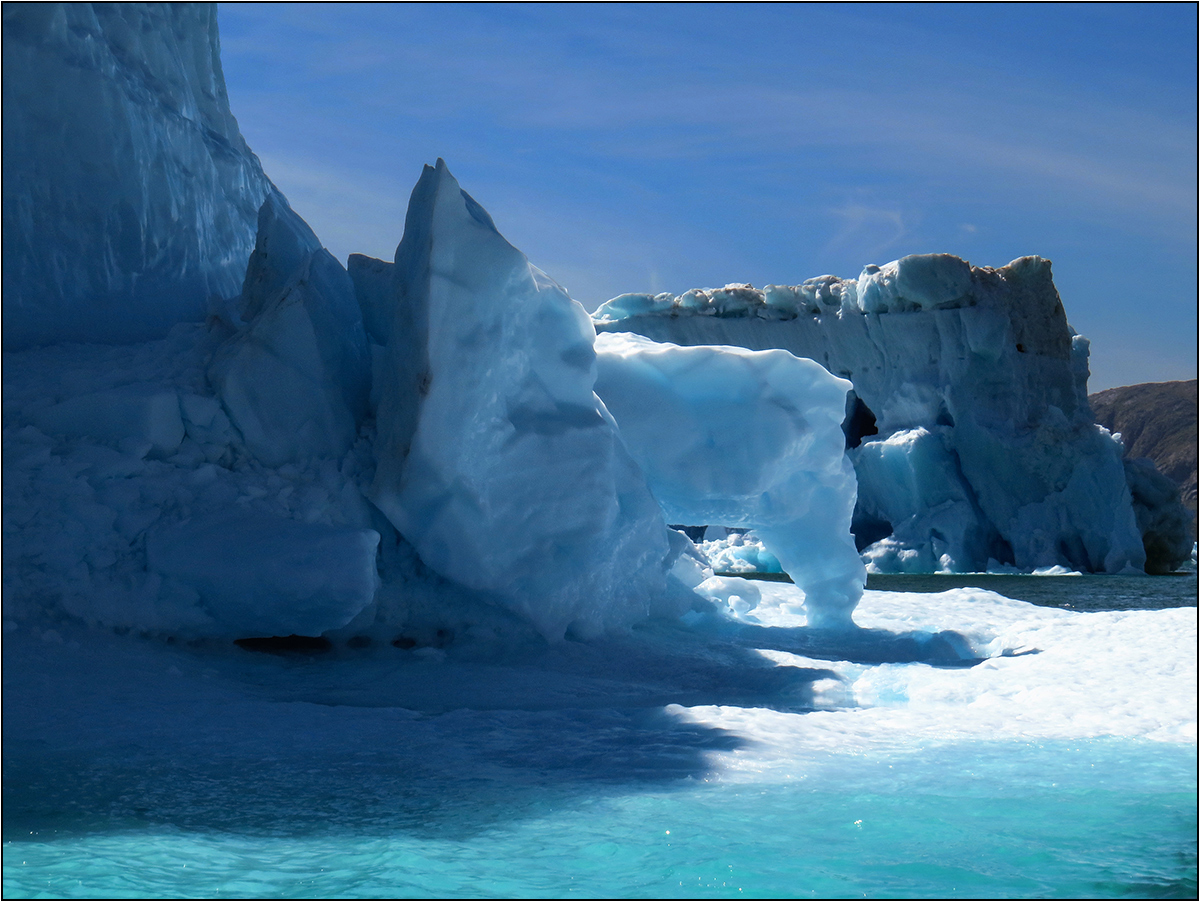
(998, 820)
(679, 762)
(1087, 592)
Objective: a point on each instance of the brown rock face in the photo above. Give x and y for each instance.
(1157, 420)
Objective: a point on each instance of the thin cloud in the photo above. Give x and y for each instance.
(867, 232)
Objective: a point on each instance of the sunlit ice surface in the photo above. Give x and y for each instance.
(715, 757)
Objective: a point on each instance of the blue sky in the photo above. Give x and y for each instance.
(646, 147)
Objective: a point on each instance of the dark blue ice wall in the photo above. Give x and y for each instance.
(130, 196)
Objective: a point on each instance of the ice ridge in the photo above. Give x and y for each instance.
(969, 426)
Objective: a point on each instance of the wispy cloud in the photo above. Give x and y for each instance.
(621, 144)
(349, 215)
(870, 232)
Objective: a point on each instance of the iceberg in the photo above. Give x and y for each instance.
(968, 425)
(209, 484)
(740, 438)
(129, 194)
(494, 456)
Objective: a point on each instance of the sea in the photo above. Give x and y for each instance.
(1056, 757)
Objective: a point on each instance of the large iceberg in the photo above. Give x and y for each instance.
(968, 426)
(495, 458)
(739, 438)
(421, 445)
(130, 196)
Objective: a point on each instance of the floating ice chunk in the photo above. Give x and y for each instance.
(744, 438)
(738, 553)
(133, 415)
(258, 575)
(984, 361)
(741, 595)
(496, 460)
(296, 380)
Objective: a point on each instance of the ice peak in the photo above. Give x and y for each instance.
(495, 458)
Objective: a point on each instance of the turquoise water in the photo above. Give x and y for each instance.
(135, 770)
(1102, 818)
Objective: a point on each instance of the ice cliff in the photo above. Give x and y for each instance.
(968, 427)
(130, 197)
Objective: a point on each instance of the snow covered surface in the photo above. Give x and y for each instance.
(969, 428)
(129, 194)
(737, 438)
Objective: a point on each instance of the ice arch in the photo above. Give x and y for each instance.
(744, 438)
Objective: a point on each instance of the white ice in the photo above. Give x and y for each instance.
(737, 552)
(1048, 674)
(740, 438)
(971, 433)
(495, 458)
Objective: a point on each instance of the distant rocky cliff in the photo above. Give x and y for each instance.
(1157, 420)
